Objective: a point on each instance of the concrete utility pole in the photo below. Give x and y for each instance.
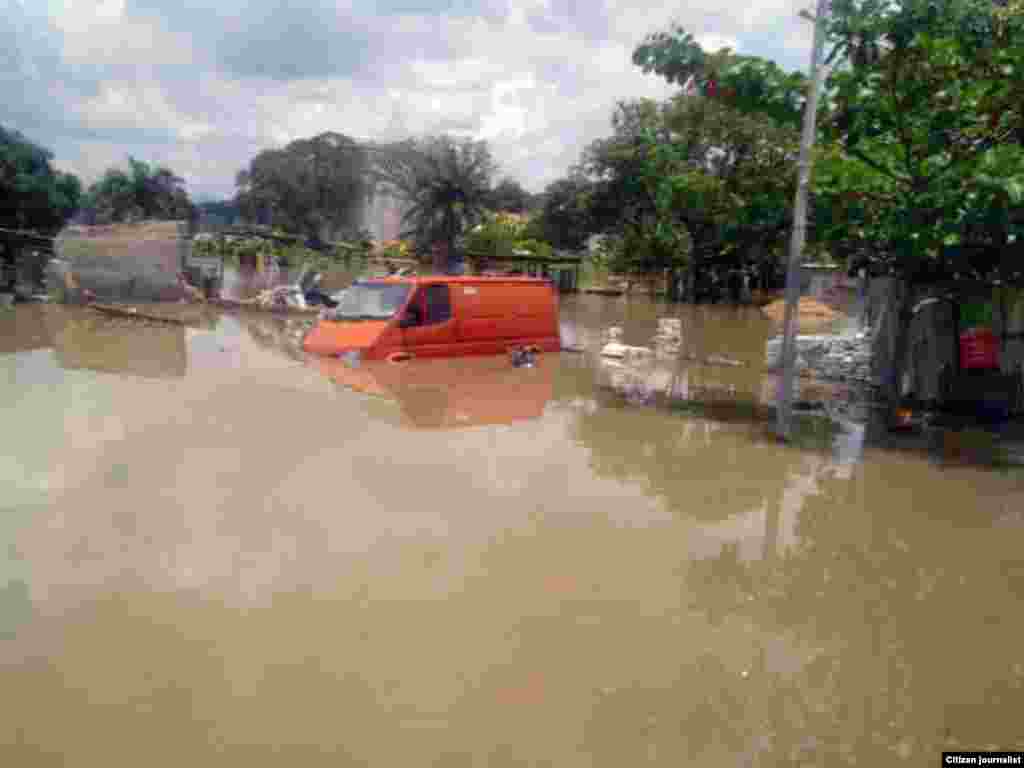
(796, 245)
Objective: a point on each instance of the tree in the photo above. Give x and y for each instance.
(510, 196)
(921, 127)
(143, 192)
(445, 182)
(32, 194)
(746, 83)
(496, 236)
(500, 236)
(315, 187)
(693, 182)
(564, 219)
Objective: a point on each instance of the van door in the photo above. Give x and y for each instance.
(432, 333)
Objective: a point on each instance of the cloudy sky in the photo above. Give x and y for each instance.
(203, 85)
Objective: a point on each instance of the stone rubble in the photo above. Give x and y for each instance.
(832, 357)
(845, 358)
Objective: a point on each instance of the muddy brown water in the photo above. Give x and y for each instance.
(215, 552)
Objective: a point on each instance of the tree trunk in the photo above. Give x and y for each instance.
(672, 287)
(449, 249)
(440, 259)
(893, 384)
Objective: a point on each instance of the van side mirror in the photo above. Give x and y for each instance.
(408, 319)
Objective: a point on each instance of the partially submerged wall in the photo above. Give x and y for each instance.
(136, 261)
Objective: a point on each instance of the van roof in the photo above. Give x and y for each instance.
(458, 279)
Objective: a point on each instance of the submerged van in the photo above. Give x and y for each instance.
(438, 316)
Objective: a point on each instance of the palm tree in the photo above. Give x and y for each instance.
(445, 183)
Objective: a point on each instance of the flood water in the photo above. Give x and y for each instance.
(216, 552)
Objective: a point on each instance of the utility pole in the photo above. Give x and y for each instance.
(799, 236)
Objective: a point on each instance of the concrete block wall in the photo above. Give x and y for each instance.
(136, 261)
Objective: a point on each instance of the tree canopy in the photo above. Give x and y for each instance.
(446, 183)
(564, 218)
(920, 167)
(141, 193)
(692, 182)
(509, 195)
(919, 163)
(33, 195)
(316, 187)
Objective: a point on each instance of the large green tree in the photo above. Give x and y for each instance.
(33, 195)
(922, 166)
(317, 187)
(564, 219)
(142, 192)
(445, 183)
(693, 182)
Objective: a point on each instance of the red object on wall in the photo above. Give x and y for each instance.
(979, 349)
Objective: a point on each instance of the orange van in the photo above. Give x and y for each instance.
(438, 316)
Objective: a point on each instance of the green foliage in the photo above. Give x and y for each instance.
(445, 182)
(316, 187)
(509, 196)
(143, 192)
(919, 166)
(565, 217)
(391, 252)
(33, 195)
(746, 83)
(495, 237)
(534, 247)
(937, 115)
(691, 182)
(235, 251)
(501, 237)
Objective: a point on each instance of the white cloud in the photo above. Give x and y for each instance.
(206, 87)
(717, 42)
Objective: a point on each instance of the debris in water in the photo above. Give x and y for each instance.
(722, 360)
(523, 357)
(614, 349)
(192, 295)
(132, 312)
(808, 310)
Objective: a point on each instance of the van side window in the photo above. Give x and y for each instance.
(439, 305)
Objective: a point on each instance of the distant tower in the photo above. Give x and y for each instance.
(382, 216)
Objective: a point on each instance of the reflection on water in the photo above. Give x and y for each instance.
(449, 394)
(86, 340)
(275, 568)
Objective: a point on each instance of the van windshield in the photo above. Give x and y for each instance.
(371, 301)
